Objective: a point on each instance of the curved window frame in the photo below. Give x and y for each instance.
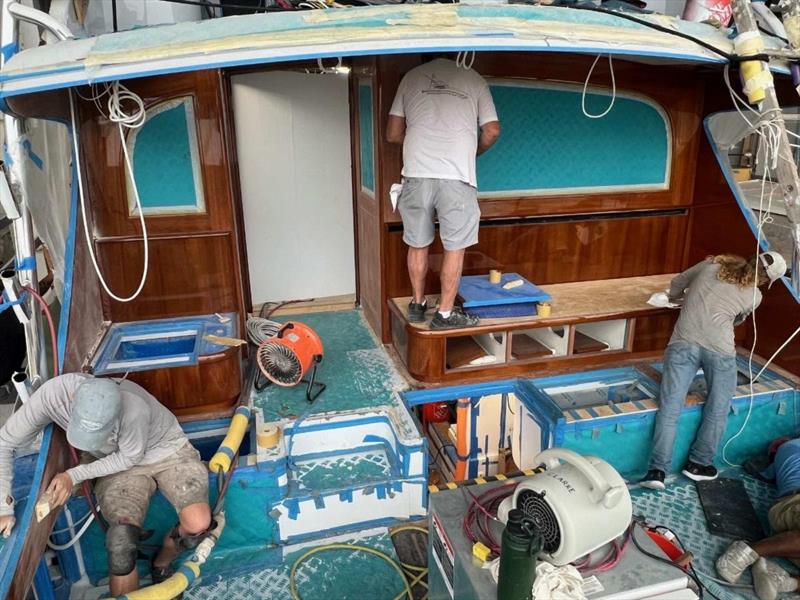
(199, 207)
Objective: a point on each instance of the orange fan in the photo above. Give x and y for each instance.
(285, 358)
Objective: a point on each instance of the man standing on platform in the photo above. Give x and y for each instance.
(444, 116)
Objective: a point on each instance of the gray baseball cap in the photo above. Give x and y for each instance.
(95, 411)
(774, 264)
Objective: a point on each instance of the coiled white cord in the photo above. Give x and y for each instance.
(75, 538)
(461, 59)
(118, 94)
(613, 89)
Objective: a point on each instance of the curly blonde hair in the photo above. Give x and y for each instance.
(739, 271)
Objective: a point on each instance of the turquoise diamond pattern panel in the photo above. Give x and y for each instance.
(366, 136)
(548, 145)
(343, 470)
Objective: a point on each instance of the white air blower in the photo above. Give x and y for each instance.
(577, 506)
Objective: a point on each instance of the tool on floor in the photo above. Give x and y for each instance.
(286, 358)
(577, 506)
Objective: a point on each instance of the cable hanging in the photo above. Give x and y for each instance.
(115, 111)
(613, 89)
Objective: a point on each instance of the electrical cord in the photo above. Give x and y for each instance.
(117, 94)
(613, 89)
(415, 574)
(75, 538)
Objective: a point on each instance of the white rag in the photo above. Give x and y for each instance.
(557, 583)
(661, 300)
(394, 194)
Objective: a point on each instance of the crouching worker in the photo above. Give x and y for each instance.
(769, 579)
(135, 446)
(722, 292)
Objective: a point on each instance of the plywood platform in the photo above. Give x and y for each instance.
(572, 302)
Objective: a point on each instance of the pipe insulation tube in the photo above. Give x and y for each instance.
(13, 293)
(23, 385)
(186, 574)
(230, 445)
(756, 78)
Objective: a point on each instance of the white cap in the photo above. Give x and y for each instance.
(774, 265)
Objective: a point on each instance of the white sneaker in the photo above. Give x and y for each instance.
(770, 580)
(735, 560)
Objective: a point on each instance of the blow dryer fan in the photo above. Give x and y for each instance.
(576, 506)
(285, 358)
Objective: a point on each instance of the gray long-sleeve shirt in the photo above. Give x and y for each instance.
(711, 309)
(146, 433)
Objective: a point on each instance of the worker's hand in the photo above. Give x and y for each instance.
(6, 525)
(60, 488)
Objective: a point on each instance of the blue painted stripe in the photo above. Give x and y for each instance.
(69, 266)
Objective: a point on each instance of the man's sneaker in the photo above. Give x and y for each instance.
(457, 319)
(416, 311)
(700, 472)
(654, 480)
(735, 560)
(770, 580)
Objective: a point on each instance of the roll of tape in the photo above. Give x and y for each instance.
(268, 436)
(494, 276)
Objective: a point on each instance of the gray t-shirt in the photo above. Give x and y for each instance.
(443, 105)
(147, 432)
(711, 308)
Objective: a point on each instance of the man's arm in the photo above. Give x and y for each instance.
(396, 129)
(489, 134)
(680, 282)
(19, 431)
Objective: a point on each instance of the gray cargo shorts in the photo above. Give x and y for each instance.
(182, 478)
(454, 202)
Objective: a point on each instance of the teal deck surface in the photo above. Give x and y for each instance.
(678, 507)
(357, 369)
(343, 470)
(334, 574)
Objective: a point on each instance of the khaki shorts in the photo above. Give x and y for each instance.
(454, 203)
(182, 478)
(785, 514)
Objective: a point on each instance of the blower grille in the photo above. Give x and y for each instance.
(279, 363)
(536, 508)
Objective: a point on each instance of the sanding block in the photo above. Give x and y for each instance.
(44, 506)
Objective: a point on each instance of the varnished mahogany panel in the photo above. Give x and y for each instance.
(189, 275)
(211, 385)
(557, 252)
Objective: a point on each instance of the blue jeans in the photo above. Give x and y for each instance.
(681, 362)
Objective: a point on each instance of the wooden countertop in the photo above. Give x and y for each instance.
(572, 303)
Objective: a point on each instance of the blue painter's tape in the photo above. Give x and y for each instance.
(244, 411)
(381, 491)
(319, 502)
(188, 573)
(26, 264)
(6, 156)
(35, 158)
(397, 486)
(346, 496)
(294, 507)
(69, 259)
(9, 50)
(226, 451)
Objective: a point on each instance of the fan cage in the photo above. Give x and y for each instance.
(279, 364)
(534, 506)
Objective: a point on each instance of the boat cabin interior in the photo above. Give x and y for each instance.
(264, 191)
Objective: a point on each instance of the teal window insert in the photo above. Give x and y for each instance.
(548, 146)
(166, 161)
(366, 136)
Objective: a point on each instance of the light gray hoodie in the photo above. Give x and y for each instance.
(146, 433)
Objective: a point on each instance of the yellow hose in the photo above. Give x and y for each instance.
(186, 574)
(230, 445)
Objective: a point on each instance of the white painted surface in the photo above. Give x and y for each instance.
(293, 144)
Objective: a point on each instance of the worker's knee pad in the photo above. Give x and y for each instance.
(189, 542)
(122, 543)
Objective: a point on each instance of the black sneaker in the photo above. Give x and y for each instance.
(700, 472)
(416, 312)
(654, 480)
(457, 319)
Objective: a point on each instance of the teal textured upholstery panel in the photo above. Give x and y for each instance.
(164, 155)
(366, 137)
(548, 144)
